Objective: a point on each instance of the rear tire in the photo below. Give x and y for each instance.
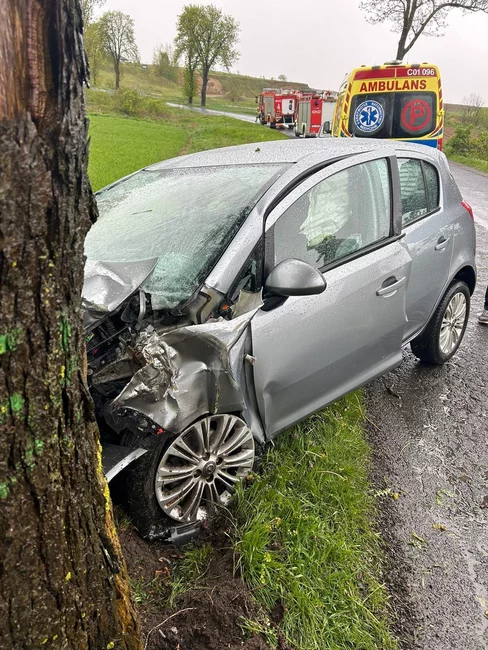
(443, 335)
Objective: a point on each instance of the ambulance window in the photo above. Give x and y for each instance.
(414, 114)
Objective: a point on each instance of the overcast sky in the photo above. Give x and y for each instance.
(318, 41)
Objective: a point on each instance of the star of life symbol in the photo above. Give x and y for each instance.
(369, 116)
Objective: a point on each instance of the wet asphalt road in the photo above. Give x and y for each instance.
(429, 434)
(236, 116)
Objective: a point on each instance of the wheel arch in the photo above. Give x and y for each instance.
(468, 275)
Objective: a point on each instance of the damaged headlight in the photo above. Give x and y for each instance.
(133, 421)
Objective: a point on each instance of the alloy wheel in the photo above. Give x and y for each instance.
(202, 467)
(453, 323)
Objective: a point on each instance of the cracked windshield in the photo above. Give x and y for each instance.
(182, 218)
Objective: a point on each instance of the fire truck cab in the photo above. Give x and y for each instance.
(277, 107)
(313, 109)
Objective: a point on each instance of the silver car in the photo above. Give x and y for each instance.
(231, 293)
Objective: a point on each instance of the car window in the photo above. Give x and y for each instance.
(412, 190)
(337, 217)
(432, 184)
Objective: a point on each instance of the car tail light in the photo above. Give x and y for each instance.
(469, 209)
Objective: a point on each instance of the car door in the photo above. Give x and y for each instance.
(428, 235)
(311, 350)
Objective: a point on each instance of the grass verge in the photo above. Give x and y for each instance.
(305, 539)
(470, 161)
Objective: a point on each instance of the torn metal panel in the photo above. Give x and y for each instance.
(116, 458)
(108, 284)
(190, 372)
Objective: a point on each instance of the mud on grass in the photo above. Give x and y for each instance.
(191, 599)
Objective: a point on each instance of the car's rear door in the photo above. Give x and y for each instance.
(428, 234)
(311, 350)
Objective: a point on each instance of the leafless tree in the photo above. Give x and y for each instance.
(472, 109)
(63, 582)
(412, 18)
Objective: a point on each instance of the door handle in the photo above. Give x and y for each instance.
(390, 286)
(442, 243)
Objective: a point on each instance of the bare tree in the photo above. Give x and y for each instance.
(211, 35)
(412, 18)
(88, 9)
(472, 109)
(119, 40)
(63, 582)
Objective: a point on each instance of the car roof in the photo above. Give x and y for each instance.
(289, 151)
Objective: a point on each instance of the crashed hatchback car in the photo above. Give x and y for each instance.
(231, 293)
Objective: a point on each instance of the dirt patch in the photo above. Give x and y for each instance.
(214, 87)
(208, 617)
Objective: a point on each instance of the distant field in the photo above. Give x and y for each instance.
(234, 93)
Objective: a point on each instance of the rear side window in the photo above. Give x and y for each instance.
(419, 189)
(432, 184)
(339, 216)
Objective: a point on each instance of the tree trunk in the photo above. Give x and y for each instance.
(63, 582)
(117, 74)
(401, 50)
(205, 72)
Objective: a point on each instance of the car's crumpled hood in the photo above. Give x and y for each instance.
(108, 284)
(190, 372)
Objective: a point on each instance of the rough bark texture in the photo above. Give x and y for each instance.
(63, 582)
(204, 87)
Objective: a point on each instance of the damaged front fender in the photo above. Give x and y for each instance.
(189, 373)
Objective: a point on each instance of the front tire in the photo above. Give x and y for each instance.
(443, 335)
(180, 480)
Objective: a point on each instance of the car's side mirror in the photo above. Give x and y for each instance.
(294, 278)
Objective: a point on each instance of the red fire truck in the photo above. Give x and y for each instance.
(277, 107)
(313, 109)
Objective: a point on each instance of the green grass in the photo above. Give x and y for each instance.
(470, 161)
(121, 145)
(305, 536)
(190, 571)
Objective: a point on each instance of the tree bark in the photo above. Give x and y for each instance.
(401, 47)
(117, 74)
(63, 582)
(205, 72)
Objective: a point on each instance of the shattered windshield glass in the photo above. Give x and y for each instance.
(184, 218)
